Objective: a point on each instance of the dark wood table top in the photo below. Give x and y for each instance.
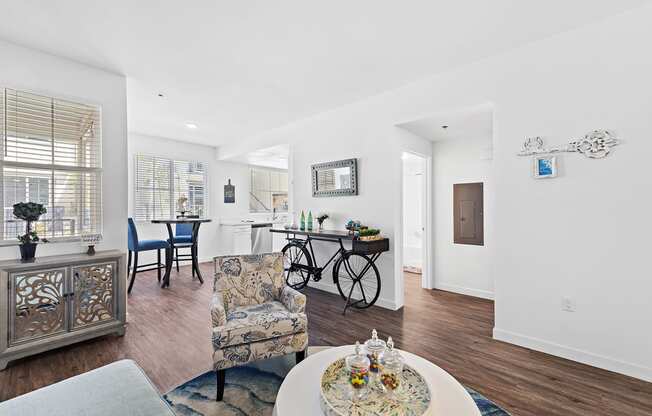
(180, 220)
(344, 235)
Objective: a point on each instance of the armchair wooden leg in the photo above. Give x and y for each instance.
(300, 356)
(221, 378)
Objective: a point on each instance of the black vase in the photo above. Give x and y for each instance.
(27, 252)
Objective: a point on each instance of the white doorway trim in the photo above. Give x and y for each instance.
(427, 249)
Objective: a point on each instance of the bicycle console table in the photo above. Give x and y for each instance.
(354, 270)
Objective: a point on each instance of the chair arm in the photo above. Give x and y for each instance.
(293, 300)
(218, 313)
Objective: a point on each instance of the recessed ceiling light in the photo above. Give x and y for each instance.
(191, 126)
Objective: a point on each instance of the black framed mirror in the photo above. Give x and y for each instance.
(339, 178)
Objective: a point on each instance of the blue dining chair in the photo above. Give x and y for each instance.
(135, 246)
(182, 239)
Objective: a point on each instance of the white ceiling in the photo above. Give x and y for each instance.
(238, 68)
(271, 157)
(467, 123)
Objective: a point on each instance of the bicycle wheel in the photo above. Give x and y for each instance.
(297, 264)
(356, 274)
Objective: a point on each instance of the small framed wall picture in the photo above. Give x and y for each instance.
(545, 167)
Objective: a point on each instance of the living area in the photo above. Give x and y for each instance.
(223, 190)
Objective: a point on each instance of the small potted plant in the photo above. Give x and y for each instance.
(29, 212)
(320, 220)
(369, 234)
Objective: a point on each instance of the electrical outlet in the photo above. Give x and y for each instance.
(567, 304)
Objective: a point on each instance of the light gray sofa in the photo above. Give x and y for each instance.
(120, 388)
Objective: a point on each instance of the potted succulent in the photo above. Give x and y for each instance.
(29, 212)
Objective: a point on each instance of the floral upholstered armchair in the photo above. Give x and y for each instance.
(255, 316)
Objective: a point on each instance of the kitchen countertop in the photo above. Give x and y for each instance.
(232, 223)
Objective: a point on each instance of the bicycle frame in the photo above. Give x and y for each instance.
(316, 270)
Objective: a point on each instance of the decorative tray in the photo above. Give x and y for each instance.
(412, 398)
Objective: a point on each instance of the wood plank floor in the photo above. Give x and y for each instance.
(169, 336)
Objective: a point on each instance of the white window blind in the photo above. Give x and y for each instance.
(160, 182)
(51, 154)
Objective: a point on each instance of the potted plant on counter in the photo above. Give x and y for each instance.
(320, 220)
(29, 212)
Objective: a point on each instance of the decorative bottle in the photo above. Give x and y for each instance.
(302, 222)
(357, 367)
(309, 223)
(391, 365)
(374, 347)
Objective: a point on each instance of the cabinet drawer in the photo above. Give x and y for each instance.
(93, 299)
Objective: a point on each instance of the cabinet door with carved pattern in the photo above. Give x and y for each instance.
(38, 302)
(93, 299)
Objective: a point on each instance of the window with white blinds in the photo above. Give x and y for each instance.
(50, 154)
(160, 182)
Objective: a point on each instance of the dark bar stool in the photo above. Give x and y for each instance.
(182, 239)
(136, 246)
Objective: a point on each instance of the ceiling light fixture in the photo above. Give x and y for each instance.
(160, 94)
(191, 126)
(444, 127)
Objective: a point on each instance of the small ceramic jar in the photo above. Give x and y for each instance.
(357, 366)
(374, 347)
(391, 364)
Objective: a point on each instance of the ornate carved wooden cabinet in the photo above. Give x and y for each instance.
(60, 300)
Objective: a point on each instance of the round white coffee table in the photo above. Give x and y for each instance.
(299, 393)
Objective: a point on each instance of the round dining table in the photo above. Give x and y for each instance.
(196, 222)
(299, 395)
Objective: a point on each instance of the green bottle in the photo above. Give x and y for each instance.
(309, 221)
(302, 222)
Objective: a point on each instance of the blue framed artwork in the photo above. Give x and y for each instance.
(545, 167)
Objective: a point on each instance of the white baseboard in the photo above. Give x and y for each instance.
(331, 288)
(478, 293)
(573, 354)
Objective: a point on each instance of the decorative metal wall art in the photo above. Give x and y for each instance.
(229, 193)
(595, 145)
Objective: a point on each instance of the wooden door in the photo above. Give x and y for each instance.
(468, 215)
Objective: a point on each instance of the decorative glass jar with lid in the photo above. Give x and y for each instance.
(374, 348)
(357, 366)
(391, 364)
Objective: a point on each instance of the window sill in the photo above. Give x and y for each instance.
(9, 243)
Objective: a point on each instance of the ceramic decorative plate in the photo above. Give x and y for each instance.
(411, 399)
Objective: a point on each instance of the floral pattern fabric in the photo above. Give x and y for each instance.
(242, 354)
(257, 323)
(293, 300)
(254, 314)
(249, 280)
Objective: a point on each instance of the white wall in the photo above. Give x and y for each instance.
(29, 70)
(460, 268)
(582, 235)
(219, 172)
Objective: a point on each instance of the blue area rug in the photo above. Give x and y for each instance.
(251, 391)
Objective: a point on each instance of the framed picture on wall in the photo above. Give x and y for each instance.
(545, 167)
